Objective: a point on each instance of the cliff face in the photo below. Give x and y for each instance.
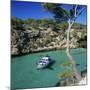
(33, 41)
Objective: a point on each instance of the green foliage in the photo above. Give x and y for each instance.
(68, 70)
(62, 14)
(59, 13)
(66, 64)
(64, 25)
(47, 23)
(78, 26)
(66, 74)
(42, 24)
(17, 23)
(50, 6)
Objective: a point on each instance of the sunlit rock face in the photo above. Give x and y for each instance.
(26, 41)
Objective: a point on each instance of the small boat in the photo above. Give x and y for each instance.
(44, 62)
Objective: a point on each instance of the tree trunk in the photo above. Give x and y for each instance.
(75, 71)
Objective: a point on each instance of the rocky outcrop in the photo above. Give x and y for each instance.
(25, 41)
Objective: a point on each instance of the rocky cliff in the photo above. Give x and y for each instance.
(26, 41)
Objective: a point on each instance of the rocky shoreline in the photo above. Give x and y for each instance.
(73, 81)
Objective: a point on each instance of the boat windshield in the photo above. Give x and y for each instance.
(45, 58)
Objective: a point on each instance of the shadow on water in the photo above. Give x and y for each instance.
(50, 65)
(84, 72)
(77, 64)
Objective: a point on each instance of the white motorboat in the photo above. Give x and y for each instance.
(44, 62)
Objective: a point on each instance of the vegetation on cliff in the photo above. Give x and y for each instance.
(45, 34)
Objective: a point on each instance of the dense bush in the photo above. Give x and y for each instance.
(42, 24)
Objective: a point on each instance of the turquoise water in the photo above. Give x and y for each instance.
(25, 75)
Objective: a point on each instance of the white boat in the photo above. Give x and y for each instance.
(44, 62)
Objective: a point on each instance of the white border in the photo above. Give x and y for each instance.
(5, 44)
(85, 2)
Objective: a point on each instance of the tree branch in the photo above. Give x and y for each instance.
(76, 11)
(76, 15)
(81, 11)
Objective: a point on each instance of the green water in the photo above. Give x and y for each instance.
(25, 75)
